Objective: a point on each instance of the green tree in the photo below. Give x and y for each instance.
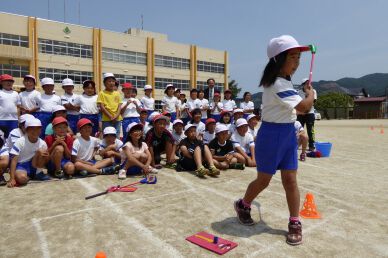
(333, 100)
(233, 86)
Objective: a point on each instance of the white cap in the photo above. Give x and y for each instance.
(283, 43)
(188, 126)
(47, 81)
(133, 124)
(25, 117)
(67, 82)
(241, 122)
(107, 75)
(169, 85)
(251, 116)
(238, 110)
(177, 121)
(58, 108)
(32, 123)
(304, 80)
(30, 76)
(147, 87)
(221, 128)
(109, 130)
(153, 115)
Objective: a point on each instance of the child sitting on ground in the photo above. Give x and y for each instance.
(196, 115)
(253, 120)
(59, 146)
(303, 139)
(237, 113)
(135, 156)
(178, 133)
(224, 156)
(29, 156)
(143, 121)
(84, 150)
(110, 146)
(192, 152)
(58, 111)
(209, 134)
(243, 143)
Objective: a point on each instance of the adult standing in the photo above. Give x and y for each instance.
(308, 118)
(209, 92)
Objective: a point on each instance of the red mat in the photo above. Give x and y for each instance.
(205, 240)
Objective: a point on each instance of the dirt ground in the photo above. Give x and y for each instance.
(53, 219)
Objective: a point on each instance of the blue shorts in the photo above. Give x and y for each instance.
(134, 170)
(216, 117)
(7, 126)
(173, 116)
(94, 118)
(203, 120)
(45, 119)
(126, 121)
(93, 161)
(149, 112)
(73, 119)
(27, 167)
(276, 148)
(51, 166)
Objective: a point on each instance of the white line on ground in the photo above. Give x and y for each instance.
(42, 238)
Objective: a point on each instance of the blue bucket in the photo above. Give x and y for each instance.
(324, 148)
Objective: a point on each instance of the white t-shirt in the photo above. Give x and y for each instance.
(253, 131)
(9, 100)
(13, 136)
(200, 127)
(208, 137)
(148, 103)
(298, 127)
(216, 110)
(131, 110)
(232, 128)
(88, 104)
(303, 96)
(146, 128)
(193, 104)
(229, 105)
(26, 149)
(29, 99)
(171, 103)
(178, 137)
(183, 112)
(118, 144)
(169, 127)
(244, 142)
(279, 101)
(66, 99)
(48, 102)
(84, 149)
(204, 104)
(247, 106)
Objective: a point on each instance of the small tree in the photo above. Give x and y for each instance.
(233, 86)
(333, 100)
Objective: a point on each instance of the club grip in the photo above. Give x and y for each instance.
(96, 195)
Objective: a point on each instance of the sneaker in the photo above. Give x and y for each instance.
(243, 213)
(153, 170)
(294, 235)
(59, 174)
(240, 166)
(122, 174)
(2, 180)
(158, 166)
(213, 171)
(41, 176)
(302, 156)
(83, 173)
(201, 172)
(108, 170)
(170, 165)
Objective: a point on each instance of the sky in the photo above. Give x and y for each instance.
(351, 35)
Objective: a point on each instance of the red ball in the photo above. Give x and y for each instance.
(100, 255)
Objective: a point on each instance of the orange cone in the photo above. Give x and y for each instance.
(100, 255)
(309, 210)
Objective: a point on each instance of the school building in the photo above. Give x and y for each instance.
(45, 48)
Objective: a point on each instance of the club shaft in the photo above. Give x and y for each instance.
(96, 195)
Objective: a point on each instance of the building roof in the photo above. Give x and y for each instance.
(375, 99)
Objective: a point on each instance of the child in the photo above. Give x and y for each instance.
(87, 104)
(84, 150)
(169, 126)
(29, 156)
(204, 106)
(159, 141)
(47, 102)
(58, 111)
(224, 156)
(193, 152)
(143, 120)
(228, 102)
(59, 147)
(243, 143)
(9, 103)
(135, 154)
(29, 98)
(253, 120)
(209, 134)
(196, 115)
(302, 138)
(148, 102)
(216, 107)
(170, 103)
(193, 102)
(278, 145)
(237, 113)
(68, 100)
(110, 146)
(247, 105)
(130, 108)
(178, 133)
(225, 119)
(109, 102)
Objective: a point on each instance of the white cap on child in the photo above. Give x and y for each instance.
(147, 87)
(177, 121)
(251, 116)
(132, 125)
(283, 43)
(47, 81)
(58, 108)
(109, 75)
(221, 128)
(169, 85)
(238, 110)
(67, 82)
(153, 115)
(241, 122)
(33, 123)
(188, 126)
(109, 130)
(25, 117)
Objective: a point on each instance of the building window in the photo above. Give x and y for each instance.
(14, 70)
(172, 62)
(55, 47)
(158, 105)
(123, 56)
(58, 75)
(13, 40)
(210, 67)
(160, 83)
(138, 81)
(201, 85)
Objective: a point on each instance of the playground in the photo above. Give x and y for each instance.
(53, 219)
